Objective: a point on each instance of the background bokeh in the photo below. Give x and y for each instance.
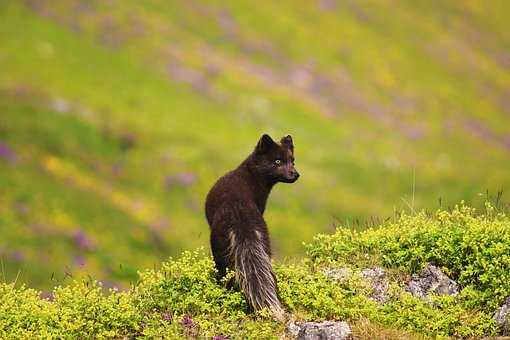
(116, 117)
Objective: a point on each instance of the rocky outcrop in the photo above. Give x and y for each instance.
(327, 330)
(377, 279)
(431, 280)
(339, 274)
(502, 317)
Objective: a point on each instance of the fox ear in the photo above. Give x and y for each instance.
(287, 142)
(265, 144)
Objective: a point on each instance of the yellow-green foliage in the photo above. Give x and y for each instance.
(188, 284)
(474, 249)
(78, 311)
(312, 295)
(184, 298)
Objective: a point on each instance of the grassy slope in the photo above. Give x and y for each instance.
(102, 105)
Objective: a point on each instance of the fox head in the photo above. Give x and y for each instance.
(275, 161)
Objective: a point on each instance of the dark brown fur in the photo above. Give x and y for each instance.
(234, 209)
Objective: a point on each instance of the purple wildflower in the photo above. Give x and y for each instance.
(7, 153)
(17, 256)
(82, 241)
(187, 321)
(183, 179)
(79, 260)
(46, 295)
(327, 5)
(220, 337)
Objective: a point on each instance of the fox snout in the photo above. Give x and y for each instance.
(295, 175)
(291, 176)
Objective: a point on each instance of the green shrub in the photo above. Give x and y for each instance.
(312, 295)
(23, 314)
(80, 310)
(444, 316)
(184, 298)
(473, 249)
(188, 285)
(305, 291)
(187, 289)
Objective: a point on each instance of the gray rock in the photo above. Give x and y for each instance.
(327, 330)
(377, 279)
(293, 329)
(338, 274)
(502, 317)
(431, 280)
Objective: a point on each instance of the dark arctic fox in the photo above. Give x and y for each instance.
(239, 235)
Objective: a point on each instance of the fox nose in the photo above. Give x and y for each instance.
(295, 174)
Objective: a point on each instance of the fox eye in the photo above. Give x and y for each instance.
(277, 161)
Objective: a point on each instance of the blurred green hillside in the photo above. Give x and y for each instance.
(116, 117)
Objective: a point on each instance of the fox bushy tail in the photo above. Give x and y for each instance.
(254, 274)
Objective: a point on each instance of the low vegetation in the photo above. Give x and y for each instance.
(473, 249)
(184, 298)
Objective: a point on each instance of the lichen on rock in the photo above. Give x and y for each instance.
(431, 280)
(379, 282)
(327, 330)
(502, 317)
